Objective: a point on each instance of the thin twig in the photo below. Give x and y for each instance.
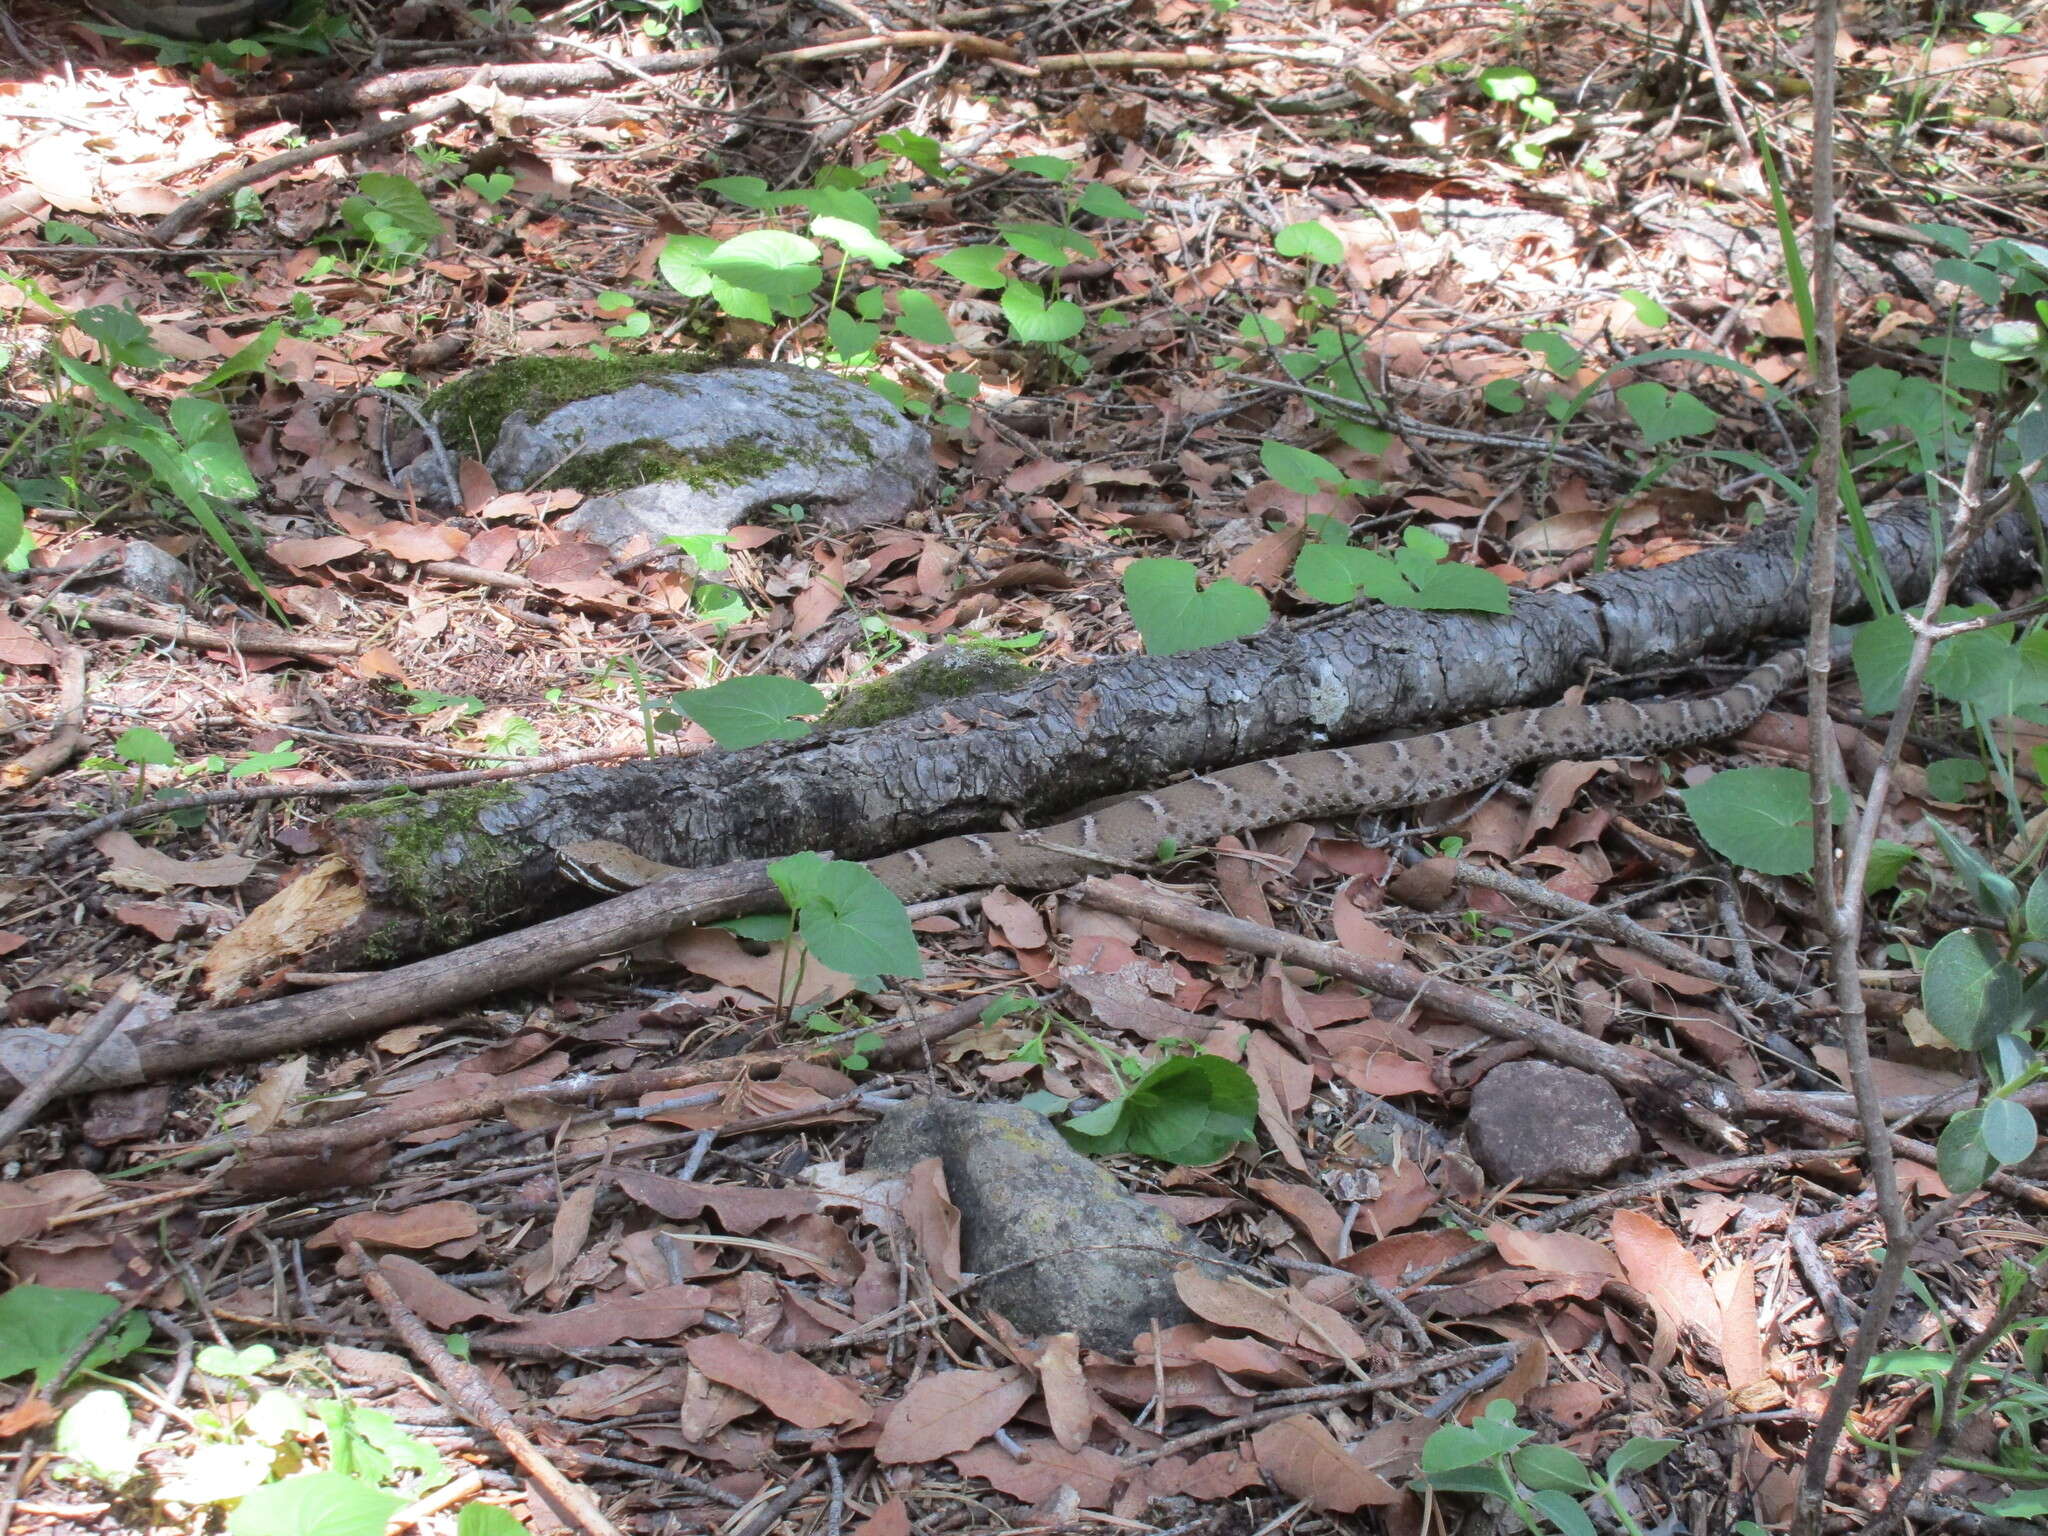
(471, 1396)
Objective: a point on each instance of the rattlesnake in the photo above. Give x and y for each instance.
(1381, 775)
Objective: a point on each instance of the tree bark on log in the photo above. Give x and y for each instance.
(457, 863)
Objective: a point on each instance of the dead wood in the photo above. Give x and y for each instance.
(1087, 732)
(187, 1041)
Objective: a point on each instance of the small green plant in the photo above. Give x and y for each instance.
(1543, 1486)
(392, 219)
(189, 448)
(628, 322)
(1419, 574)
(1511, 85)
(1188, 1110)
(658, 18)
(847, 918)
(490, 189)
(310, 30)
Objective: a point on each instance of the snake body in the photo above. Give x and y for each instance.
(1381, 775)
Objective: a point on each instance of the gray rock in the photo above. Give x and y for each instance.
(1548, 1127)
(669, 446)
(149, 572)
(1028, 1199)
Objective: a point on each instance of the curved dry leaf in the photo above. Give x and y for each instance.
(28, 1206)
(1659, 1265)
(1555, 1253)
(1304, 1459)
(1288, 1318)
(661, 1313)
(1045, 1470)
(438, 1303)
(740, 1210)
(1067, 1406)
(788, 1386)
(422, 1226)
(950, 1412)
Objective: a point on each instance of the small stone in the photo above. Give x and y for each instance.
(151, 573)
(1075, 1249)
(1543, 1126)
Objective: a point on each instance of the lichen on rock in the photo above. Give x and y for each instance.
(677, 443)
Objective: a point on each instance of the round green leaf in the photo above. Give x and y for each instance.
(2007, 1131)
(846, 917)
(1960, 1156)
(316, 1504)
(1191, 1110)
(1032, 319)
(1760, 818)
(1311, 238)
(1972, 995)
(773, 262)
(978, 266)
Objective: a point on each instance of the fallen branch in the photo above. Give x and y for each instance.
(188, 1041)
(1692, 1094)
(187, 213)
(248, 640)
(901, 1041)
(472, 1397)
(1086, 732)
(65, 741)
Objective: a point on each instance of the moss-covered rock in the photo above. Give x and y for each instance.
(470, 411)
(676, 443)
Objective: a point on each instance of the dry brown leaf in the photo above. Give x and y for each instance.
(1742, 1345)
(1286, 1317)
(1304, 1460)
(416, 541)
(20, 648)
(1045, 1470)
(1067, 1407)
(951, 1411)
(1021, 924)
(662, 1313)
(137, 868)
(740, 1210)
(891, 1518)
(1321, 1222)
(419, 1226)
(718, 953)
(1660, 1266)
(441, 1304)
(545, 1267)
(1554, 1253)
(278, 1090)
(28, 1206)
(618, 1390)
(299, 554)
(1284, 1082)
(788, 1386)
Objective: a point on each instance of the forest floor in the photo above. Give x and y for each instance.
(1145, 243)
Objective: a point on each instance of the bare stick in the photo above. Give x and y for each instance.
(182, 217)
(253, 641)
(1694, 1095)
(472, 1398)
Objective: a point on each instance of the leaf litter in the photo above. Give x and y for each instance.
(695, 1288)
